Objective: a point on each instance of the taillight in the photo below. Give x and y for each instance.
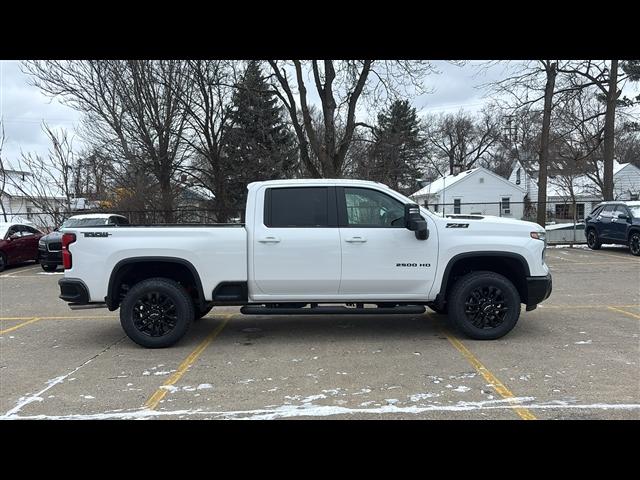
(67, 239)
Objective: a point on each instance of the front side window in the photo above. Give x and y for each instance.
(297, 207)
(370, 208)
(618, 210)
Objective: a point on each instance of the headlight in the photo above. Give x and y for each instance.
(41, 243)
(539, 235)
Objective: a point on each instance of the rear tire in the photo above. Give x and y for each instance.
(156, 313)
(592, 239)
(49, 267)
(3, 262)
(634, 243)
(484, 305)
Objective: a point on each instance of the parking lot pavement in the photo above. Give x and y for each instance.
(576, 356)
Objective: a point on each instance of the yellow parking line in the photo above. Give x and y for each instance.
(625, 312)
(58, 318)
(160, 393)
(497, 385)
(590, 307)
(11, 329)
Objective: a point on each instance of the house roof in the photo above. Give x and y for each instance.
(450, 180)
(446, 181)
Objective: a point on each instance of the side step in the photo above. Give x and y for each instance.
(261, 310)
(86, 306)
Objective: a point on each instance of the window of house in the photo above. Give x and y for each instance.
(297, 207)
(505, 206)
(580, 211)
(562, 211)
(29, 213)
(456, 205)
(518, 176)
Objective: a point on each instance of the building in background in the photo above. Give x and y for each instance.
(476, 191)
(569, 191)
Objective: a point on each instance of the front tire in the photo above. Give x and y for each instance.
(484, 305)
(156, 313)
(634, 243)
(3, 262)
(592, 239)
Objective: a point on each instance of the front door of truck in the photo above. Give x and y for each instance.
(296, 244)
(380, 257)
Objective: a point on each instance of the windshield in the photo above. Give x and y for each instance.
(635, 210)
(84, 222)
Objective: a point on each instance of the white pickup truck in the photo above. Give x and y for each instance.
(306, 243)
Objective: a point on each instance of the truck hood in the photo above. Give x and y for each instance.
(490, 220)
(52, 237)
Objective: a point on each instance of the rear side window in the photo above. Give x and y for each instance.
(297, 207)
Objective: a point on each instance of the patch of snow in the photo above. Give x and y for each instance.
(146, 372)
(421, 396)
(170, 388)
(87, 397)
(585, 342)
(162, 372)
(461, 389)
(204, 386)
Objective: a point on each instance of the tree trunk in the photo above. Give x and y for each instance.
(166, 199)
(544, 143)
(609, 135)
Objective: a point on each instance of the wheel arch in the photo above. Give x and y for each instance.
(511, 265)
(149, 267)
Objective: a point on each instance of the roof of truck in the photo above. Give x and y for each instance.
(330, 181)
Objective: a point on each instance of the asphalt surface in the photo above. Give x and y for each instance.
(575, 357)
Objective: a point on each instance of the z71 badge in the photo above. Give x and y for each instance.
(96, 234)
(457, 225)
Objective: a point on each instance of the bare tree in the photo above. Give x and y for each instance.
(461, 140)
(607, 78)
(208, 119)
(528, 85)
(340, 85)
(132, 105)
(47, 182)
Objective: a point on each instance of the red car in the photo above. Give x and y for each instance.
(18, 243)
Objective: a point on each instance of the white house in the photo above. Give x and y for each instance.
(476, 191)
(15, 198)
(626, 186)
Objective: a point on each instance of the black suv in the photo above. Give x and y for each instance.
(614, 222)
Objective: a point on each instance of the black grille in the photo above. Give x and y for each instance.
(55, 246)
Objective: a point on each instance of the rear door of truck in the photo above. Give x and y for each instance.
(296, 246)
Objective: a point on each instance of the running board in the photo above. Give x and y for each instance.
(259, 310)
(86, 306)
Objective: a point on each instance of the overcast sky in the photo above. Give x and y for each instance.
(23, 107)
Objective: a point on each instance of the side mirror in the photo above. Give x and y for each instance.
(413, 221)
(623, 216)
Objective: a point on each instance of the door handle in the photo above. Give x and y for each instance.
(356, 240)
(269, 240)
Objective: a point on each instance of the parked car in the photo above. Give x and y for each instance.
(50, 246)
(614, 222)
(18, 243)
(311, 242)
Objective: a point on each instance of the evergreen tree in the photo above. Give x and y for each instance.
(259, 145)
(398, 148)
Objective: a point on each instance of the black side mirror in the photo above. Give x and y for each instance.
(413, 221)
(623, 216)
